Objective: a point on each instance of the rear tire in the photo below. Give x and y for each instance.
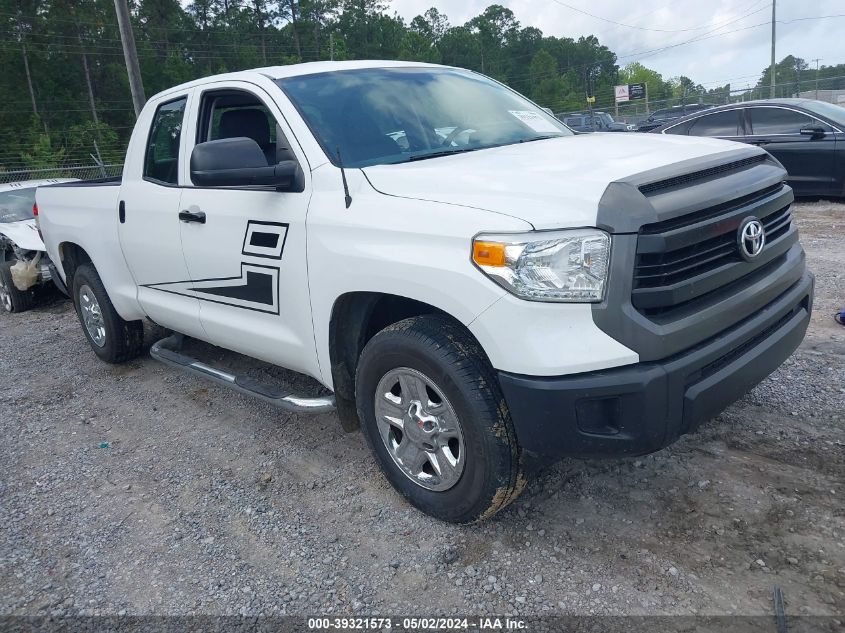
(12, 299)
(427, 395)
(113, 339)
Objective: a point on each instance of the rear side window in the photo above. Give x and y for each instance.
(162, 160)
(717, 124)
(780, 121)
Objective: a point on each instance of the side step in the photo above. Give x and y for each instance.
(167, 350)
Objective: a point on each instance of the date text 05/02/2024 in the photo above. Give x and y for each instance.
(417, 624)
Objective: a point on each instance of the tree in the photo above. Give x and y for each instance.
(548, 87)
(432, 24)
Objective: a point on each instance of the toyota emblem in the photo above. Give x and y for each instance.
(751, 238)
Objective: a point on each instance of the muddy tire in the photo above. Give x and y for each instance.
(112, 339)
(435, 418)
(12, 299)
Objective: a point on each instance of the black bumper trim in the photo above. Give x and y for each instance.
(641, 408)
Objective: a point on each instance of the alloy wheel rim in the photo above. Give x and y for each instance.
(420, 429)
(92, 316)
(5, 295)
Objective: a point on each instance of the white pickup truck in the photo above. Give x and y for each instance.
(480, 289)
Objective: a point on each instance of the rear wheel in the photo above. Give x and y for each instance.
(434, 416)
(113, 339)
(12, 299)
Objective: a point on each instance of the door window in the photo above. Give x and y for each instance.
(236, 113)
(781, 121)
(717, 124)
(162, 160)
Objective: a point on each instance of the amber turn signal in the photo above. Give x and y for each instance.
(488, 253)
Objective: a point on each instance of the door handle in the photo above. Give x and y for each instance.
(189, 216)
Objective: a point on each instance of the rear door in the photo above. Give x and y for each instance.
(247, 257)
(809, 160)
(148, 216)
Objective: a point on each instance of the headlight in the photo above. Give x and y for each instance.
(566, 265)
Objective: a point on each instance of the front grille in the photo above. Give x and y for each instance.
(671, 267)
(691, 258)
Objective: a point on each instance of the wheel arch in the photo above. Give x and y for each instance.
(72, 255)
(355, 318)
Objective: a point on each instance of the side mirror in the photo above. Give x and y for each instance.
(812, 131)
(239, 162)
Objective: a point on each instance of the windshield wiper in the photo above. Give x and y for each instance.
(445, 152)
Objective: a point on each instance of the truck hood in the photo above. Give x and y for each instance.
(553, 183)
(24, 234)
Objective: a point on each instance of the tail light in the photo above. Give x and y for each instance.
(37, 223)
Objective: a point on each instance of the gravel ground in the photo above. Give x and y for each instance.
(136, 489)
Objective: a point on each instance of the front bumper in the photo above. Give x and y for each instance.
(641, 408)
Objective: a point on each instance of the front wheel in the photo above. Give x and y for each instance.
(113, 339)
(434, 416)
(12, 299)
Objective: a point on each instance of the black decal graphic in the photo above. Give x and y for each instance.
(258, 289)
(265, 239)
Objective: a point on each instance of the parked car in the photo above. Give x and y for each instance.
(23, 261)
(475, 302)
(806, 136)
(595, 122)
(665, 115)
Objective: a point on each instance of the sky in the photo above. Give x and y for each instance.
(736, 58)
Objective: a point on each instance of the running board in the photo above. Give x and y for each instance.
(167, 350)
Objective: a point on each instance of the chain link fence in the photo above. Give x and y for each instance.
(88, 172)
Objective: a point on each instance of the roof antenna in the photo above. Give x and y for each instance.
(347, 197)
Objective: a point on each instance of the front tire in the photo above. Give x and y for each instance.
(113, 339)
(12, 299)
(433, 414)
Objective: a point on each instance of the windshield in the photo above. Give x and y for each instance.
(835, 113)
(379, 116)
(16, 205)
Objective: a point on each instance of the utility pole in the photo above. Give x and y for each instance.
(331, 46)
(130, 54)
(772, 72)
(817, 60)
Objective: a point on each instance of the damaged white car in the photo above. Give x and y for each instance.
(24, 264)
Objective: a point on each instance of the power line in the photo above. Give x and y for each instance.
(634, 26)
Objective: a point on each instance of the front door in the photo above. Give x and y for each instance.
(808, 159)
(245, 246)
(148, 220)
